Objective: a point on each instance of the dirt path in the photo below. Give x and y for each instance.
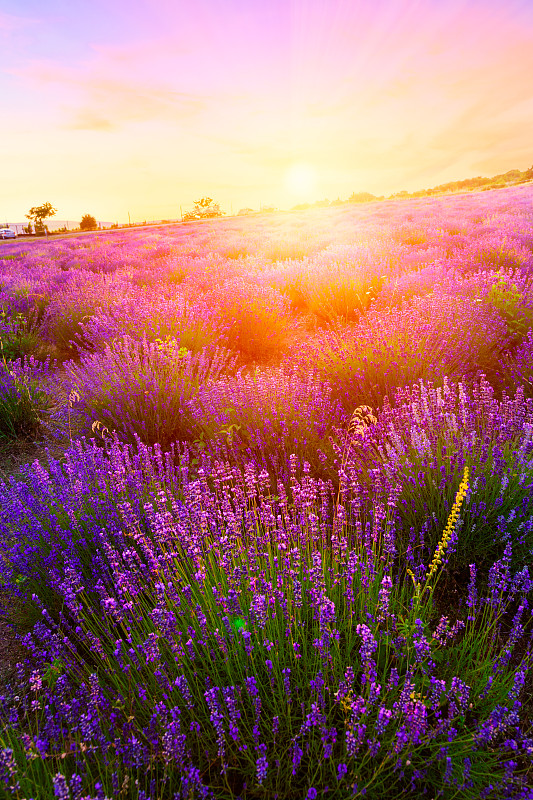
(11, 652)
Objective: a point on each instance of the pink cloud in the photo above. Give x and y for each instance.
(10, 23)
(100, 103)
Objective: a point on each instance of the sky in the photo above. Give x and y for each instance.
(132, 107)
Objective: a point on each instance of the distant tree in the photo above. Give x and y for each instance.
(88, 223)
(361, 197)
(38, 214)
(204, 208)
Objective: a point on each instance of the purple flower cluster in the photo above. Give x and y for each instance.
(224, 600)
(144, 547)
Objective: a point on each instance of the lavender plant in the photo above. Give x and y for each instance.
(20, 337)
(220, 649)
(152, 318)
(24, 402)
(509, 302)
(257, 604)
(422, 442)
(253, 320)
(145, 389)
(517, 367)
(432, 338)
(269, 415)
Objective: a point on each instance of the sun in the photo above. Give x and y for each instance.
(301, 181)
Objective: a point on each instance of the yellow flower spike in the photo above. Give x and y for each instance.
(448, 530)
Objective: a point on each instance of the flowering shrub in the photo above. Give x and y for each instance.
(509, 302)
(518, 367)
(431, 338)
(19, 337)
(495, 253)
(253, 319)
(77, 298)
(144, 389)
(142, 316)
(24, 404)
(421, 444)
(308, 576)
(267, 416)
(245, 633)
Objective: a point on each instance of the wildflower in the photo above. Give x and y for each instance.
(287, 682)
(8, 768)
(449, 529)
(261, 767)
(342, 769)
(297, 754)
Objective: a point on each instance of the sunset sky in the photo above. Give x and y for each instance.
(116, 107)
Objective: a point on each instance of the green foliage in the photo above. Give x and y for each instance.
(20, 336)
(301, 640)
(64, 327)
(509, 302)
(364, 374)
(23, 405)
(501, 485)
(504, 257)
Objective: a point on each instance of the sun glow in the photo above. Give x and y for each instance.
(301, 181)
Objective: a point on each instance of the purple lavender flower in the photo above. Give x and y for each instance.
(217, 719)
(287, 682)
(230, 696)
(8, 769)
(383, 719)
(297, 754)
(368, 646)
(342, 770)
(261, 768)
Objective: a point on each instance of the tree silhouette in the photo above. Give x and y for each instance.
(39, 213)
(203, 209)
(88, 223)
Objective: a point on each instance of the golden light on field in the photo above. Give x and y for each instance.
(301, 181)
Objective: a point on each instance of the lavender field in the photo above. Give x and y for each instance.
(286, 552)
